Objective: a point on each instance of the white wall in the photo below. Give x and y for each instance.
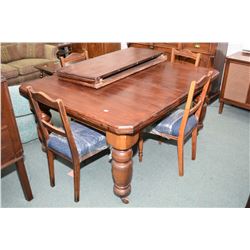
(234, 47)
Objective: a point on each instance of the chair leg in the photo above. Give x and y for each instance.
(50, 156)
(194, 143)
(77, 181)
(140, 148)
(180, 144)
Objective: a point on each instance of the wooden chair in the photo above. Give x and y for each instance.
(181, 123)
(74, 142)
(74, 58)
(186, 54)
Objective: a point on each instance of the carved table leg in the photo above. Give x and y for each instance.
(122, 164)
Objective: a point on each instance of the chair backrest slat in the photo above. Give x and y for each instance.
(74, 58)
(54, 129)
(185, 53)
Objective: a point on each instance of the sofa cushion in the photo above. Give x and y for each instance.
(31, 50)
(10, 53)
(8, 71)
(26, 66)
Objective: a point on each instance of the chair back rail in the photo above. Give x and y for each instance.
(185, 53)
(74, 58)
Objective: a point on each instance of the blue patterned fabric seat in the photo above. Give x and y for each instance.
(87, 140)
(171, 124)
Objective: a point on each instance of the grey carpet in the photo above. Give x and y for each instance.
(219, 177)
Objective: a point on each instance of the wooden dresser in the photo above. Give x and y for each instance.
(11, 146)
(212, 55)
(235, 88)
(96, 49)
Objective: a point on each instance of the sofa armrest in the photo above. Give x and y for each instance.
(50, 52)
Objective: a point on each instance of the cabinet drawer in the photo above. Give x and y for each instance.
(198, 47)
(141, 45)
(167, 45)
(7, 150)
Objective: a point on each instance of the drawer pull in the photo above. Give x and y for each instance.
(197, 46)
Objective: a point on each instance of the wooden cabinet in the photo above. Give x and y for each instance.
(11, 147)
(236, 81)
(212, 55)
(96, 49)
(166, 48)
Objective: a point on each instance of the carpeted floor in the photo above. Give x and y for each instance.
(219, 177)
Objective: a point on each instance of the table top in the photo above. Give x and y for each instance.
(50, 67)
(130, 104)
(106, 65)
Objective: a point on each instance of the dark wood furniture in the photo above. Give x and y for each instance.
(188, 124)
(96, 49)
(48, 68)
(70, 151)
(235, 87)
(73, 58)
(64, 49)
(125, 107)
(212, 55)
(185, 55)
(11, 147)
(100, 71)
(248, 202)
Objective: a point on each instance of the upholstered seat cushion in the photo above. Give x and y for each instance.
(171, 124)
(87, 140)
(8, 71)
(26, 66)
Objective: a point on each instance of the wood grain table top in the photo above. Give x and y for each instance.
(127, 105)
(106, 65)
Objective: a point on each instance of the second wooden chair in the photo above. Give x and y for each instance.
(74, 142)
(182, 123)
(74, 58)
(184, 55)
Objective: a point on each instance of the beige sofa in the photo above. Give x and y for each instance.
(18, 60)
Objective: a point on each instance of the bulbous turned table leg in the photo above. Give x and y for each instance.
(122, 165)
(122, 172)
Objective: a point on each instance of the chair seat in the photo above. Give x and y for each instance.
(171, 124)
(87, 140)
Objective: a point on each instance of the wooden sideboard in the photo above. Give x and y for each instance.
(212, 55)
(235, 88)
(96, 49)
(11, 146)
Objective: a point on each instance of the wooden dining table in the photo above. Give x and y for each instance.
(124, 108)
